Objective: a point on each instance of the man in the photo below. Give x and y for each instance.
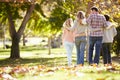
(96, 24)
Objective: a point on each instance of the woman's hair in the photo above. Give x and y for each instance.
(80, 15)
(68, 22)
(107, 17)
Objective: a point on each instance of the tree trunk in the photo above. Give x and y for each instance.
(24, 41)
(15, 36)
(4, 37)
(49, 45)
(15, 51)
(90, 4)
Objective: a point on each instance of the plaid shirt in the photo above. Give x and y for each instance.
(96, 23)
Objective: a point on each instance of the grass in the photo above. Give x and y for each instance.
(35, 56)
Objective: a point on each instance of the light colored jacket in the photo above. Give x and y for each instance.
(109, 33)
(68, 36)
(79, 29)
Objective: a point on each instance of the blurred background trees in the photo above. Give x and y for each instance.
(46, 17)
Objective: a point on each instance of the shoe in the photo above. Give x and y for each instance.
(105, 65)
(95, 65)
(109, 64)
(80, 65)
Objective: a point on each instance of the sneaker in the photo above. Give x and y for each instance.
(95, 65)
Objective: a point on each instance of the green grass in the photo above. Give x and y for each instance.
(35, 56)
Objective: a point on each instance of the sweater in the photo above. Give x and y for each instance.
(109, 33)
(67, 35)
(79, 29)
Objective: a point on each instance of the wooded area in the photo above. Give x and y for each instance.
(24, 20)
(45, 18)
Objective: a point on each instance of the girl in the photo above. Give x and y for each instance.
(68, 39)
(108, 37)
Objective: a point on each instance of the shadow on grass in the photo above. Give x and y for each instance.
(56, 61)
(4, 50)
(116, 59)
(31, 48)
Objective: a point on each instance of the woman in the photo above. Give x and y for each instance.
(68, 39)
(80, 28)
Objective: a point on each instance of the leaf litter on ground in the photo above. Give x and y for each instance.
(13, 73)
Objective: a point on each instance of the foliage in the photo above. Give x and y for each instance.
(36, 64)
(20, 72)
(49, 15)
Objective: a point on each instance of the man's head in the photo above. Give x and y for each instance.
(94, 10)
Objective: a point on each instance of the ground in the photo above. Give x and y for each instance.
(38, 65)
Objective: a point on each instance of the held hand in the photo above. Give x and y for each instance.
(82, 34)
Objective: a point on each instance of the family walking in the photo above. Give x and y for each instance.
(100, 32)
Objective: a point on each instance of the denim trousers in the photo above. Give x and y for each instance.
(106, 48)
(80, 43)
(97, 43)
(69, 48)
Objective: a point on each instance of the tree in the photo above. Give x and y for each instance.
(3, 29)
(11, 9)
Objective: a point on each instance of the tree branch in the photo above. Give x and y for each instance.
(10, 19)
(25, 20)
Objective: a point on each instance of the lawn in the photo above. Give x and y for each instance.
(35, 63)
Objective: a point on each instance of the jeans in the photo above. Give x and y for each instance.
(69, 48)
(106, 47)
(80, 43)
(97, 42)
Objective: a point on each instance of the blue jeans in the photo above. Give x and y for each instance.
(97, 42)
(69, 48)
(106, 47)
(80, 43)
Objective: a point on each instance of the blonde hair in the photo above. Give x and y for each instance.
(80, 15)
(68, 23)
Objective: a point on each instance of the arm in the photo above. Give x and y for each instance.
(72, 28)
(115, 31)
(110, 26)
(63, 34)
(89, 20)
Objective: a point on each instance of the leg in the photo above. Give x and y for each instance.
(82, 50)
(104, 53)
(98, 48)
(69, 47)
(109, 53)
(91, 48)
(77, 44)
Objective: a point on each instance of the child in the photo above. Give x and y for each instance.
(108, 37)
(68, 39)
